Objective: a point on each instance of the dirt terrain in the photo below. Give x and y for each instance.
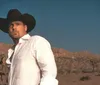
(78, 68)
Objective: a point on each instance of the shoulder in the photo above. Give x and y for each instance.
(37, 37)
(39, 40)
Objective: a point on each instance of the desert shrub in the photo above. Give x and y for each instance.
(83, 78)
(3, 70)
(77, 64)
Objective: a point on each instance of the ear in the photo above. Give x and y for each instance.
(26, 28)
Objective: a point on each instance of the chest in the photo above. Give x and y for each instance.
(23, 53)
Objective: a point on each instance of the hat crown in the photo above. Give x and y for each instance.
(13, 14)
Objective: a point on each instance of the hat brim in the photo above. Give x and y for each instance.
(25, 18)
(4, 25)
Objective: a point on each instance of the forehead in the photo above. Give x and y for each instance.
(15, 22)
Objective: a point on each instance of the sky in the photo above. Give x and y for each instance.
(70, 24)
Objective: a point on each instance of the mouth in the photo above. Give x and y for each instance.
(13, 33)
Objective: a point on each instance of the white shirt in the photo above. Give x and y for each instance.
(32, 56)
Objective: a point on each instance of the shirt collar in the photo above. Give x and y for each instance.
(21, 40)
(24, 38)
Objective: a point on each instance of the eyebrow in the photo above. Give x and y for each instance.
(15, 23)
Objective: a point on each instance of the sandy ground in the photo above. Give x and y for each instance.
(70, 79)
(74, 79)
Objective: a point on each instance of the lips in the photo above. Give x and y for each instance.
(13, 33)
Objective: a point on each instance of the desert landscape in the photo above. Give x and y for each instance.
(74, 68)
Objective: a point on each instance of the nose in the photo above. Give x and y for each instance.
(13, 27)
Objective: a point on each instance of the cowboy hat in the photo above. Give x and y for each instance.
(15, 15)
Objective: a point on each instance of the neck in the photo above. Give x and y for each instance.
(15, 41)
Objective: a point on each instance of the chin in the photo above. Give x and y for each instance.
(15, 37)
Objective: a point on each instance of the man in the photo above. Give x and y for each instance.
(31, 58)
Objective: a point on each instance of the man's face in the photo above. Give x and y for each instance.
(17, 29)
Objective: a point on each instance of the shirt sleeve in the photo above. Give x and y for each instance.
(46, 62)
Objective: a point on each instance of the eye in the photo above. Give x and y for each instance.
(11, 25)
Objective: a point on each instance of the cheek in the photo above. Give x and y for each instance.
(23, 30)
(9, 30)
